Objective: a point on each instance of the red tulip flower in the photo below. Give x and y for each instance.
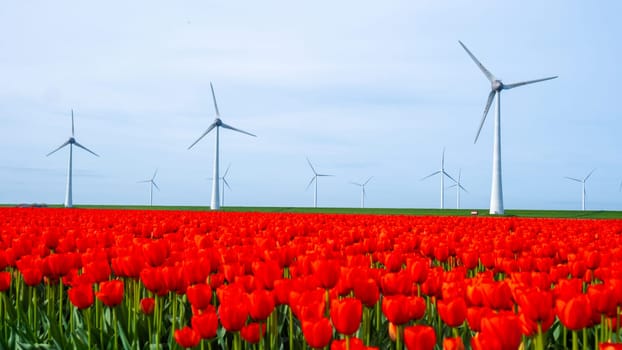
(260, 304)
(199, 295)
(5, 281)
(111, 292)
(505, 327)
(233, 315)
(206, 324)
(400, 309)
(419, 337)
(81, 296)
(453, 344)
(575, 314)
(187, 337)
(327, 272)
(453, 312)
(317, 333)
(366, 290)
(346, 315)
(253, 332)
(147, 305)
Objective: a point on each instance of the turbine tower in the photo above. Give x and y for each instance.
(151, 185)
(496, 194)
(582, 181)
(362, 186)
(459, 187)
(443, 173)
(71, 142)
(217, 124)
(314, 179)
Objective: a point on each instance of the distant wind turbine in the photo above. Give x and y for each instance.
(496, 194)
(71, 142)
(362, 186)
(152, 184)
(217, 124)
(314, 179)
(443, 173)
(459, 187)
(582, 182)
(224, 183)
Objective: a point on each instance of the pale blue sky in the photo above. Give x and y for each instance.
(363, 88)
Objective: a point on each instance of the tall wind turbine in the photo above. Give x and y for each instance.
(362, 186)
(71, 142)
(582, 181)
(151, 185)
(443, 173)
(496, 194)
(314, 179)
(459, 188)
(217, 124)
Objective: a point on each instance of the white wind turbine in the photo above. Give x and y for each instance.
(152, 184)
(496, 194)
(217, 124)
(362, 186)
(443, 173)
(459, 188)
(314, 179)
(582, 182)
(71, 142)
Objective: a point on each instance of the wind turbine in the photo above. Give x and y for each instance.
(459, 187)
(217, 124)
(362, 186)
(314, 179)
(496, 194)
(71, 142)
(443, 173)
(582, 181)
(225, 183)
(151, 185)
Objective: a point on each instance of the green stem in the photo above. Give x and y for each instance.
(291, 327)
(575, 340)
(398, 337)
(347, 342)
(585, 339)
(60, 302)
(116, 330)
(87, 319)
(540, 338)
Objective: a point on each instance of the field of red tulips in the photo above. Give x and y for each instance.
(114, 279)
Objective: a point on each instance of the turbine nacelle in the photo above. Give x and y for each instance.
(71, 140)
(497, 85)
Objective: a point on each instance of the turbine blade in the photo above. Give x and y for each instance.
(572, 178)
(511, 86)
(59, 147)
(311, 165)
(324, 175)
(452, 186)
(443, 159)
(464, 189)
(355, 183)
(434, 173)
(144, 181)
(154, 174)
(238, 130)
(310, 182)
(588, 175)
(491, 95)
(449, 176)
(226, 172)
(155, 185)
(202, 136)
(86, 149)
(214, 98)
(365, 183)
(488, 75)
(226, 183)
(72, 129)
